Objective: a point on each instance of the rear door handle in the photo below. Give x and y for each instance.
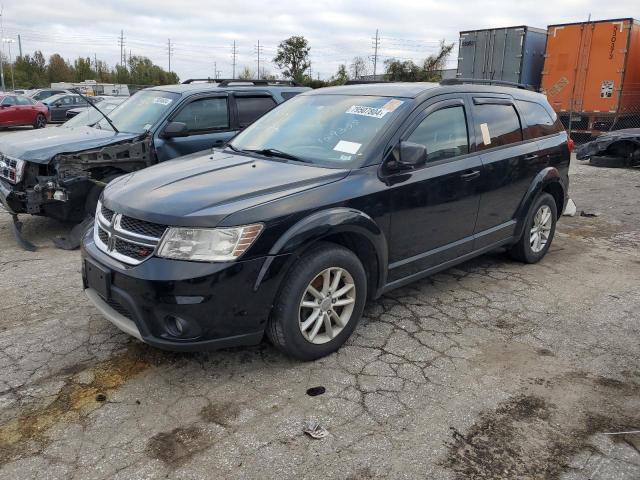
(531, 157)
(470, 175)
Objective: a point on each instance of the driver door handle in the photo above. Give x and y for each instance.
(467, 176)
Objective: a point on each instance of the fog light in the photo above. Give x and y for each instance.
(178, 327)
(60, 195)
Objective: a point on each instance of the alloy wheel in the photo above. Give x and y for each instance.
(327, 305)
(541, 229)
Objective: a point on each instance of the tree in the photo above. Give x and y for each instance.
(341, 76)
(59, 70)
(358, 67)
(434, 64)
(293, 57)
(430, 71)
(246, 74)
(83, 70)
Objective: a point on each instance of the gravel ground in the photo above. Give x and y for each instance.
(493, 369)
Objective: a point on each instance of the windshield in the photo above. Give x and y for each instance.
(141, 111)
(90, 115)
(52, 99)
(331, 130)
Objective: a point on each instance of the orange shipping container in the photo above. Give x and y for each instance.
(593, 68)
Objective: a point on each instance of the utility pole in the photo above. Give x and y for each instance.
(10, 41)
(169, 51)
(121, 43)
(20, 45)
(259, 50)
(234, 53)
(216, 73)
(376, 44)
(2, 47)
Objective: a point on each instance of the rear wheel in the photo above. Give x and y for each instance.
(539, 230)
(40, 121)
(320, 303)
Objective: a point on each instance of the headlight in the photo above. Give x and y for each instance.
(11, 168)
(208, 244)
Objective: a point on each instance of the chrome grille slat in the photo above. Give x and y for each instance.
(124, 238)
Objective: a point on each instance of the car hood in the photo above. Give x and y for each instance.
(40, 146)
(201, 190)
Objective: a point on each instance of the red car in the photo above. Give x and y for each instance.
(20, 110)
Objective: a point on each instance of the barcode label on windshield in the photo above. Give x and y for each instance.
(367, 111)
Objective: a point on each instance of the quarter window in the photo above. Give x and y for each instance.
(205, 114)
(497, 125)
(539, 121)
(24, 101)
(252, 108)
(444, 133)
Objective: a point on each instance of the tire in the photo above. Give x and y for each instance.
(609, 162)
(289, 317)
(40, 121)
(523, 250)
(91, 202)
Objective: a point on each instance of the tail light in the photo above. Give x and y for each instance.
(571, 144)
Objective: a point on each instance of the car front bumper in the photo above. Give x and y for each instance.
(180, 305)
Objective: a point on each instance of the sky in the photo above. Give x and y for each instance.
(202, 32)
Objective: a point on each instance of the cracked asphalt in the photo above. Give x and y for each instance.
(493, 369)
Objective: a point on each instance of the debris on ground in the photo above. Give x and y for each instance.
(315, 391)
(571, 209)
(589, 214)
(314, 429)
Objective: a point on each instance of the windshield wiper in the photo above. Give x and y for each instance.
(274, 152)
(75, 90)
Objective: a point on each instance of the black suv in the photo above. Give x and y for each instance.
(333, 198)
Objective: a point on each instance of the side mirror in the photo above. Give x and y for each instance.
(57, 104)
(412, 155)
(3, 106)
(175, 129)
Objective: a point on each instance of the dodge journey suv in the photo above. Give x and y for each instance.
(333, 198)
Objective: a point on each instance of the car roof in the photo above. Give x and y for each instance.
(392, 89)
(422, 89)
(188, 88)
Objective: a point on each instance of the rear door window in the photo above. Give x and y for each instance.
(10, 100)
(205, 114)
(444, 133)
(24, 101)
(252, 108)
(497, 125)
(539, 121)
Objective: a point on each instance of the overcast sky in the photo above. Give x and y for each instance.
(202, 32)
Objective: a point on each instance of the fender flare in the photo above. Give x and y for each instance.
(322, 224)
(545, 177)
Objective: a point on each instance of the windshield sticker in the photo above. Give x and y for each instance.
(347, 147)
(162, 101)
(345, 158)
(147, 126)
(391, 105)
(367, 111)
(486, 136)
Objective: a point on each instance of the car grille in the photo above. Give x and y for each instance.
(8, 168)
(127, 239)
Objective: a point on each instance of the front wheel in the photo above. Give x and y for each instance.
(539, 230)
(40, 121)
(320, 303)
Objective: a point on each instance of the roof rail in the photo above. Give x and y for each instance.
(485, 81)
(364, 82)
(225, 82)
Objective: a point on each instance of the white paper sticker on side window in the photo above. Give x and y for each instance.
(347, 147)
(486, 136)
(162, 101)
(367, 111)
